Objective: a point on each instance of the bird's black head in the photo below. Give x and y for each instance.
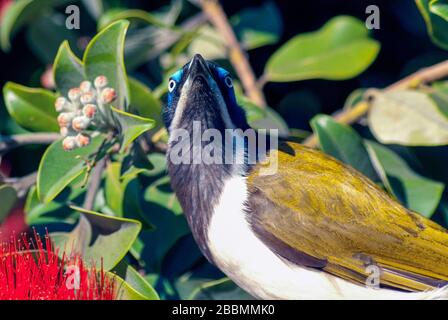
(202, 91)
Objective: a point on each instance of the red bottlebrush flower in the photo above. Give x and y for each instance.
(34, 271)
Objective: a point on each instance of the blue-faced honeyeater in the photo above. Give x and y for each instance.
(315, 229)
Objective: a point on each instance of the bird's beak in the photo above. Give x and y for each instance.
(198, 70)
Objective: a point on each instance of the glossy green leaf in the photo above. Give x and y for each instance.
(133, 15)
(209, 42)
(131, 126)
(271, 120)
(135, 281)
(20, 13)
(31, 108)
(58, 167)
(123, 195)
(160, 193)
(440, 8)
(104, 56)
(68, 69)
(343, 143)
(143, 102)
(416, 192)
(44, 46)
(8, 198)
(340, 50)
(10, 22)
(94, 7)
(253, 112)
(165, 212)
(408, 118)
(436, 25)
(99, 237)
(223, 289)
(258, 26)
(57, 211)
(136, 162)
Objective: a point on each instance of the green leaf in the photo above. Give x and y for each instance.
(132, 126)
(58, 167)
(143, 102)
(417, 193)
(43, 45)
(253, 112)
(209, 42)
(104, 56)
(10, 22)
(343, 143)
(94, 7)
(20, 13)
(440, 8)
(408, 118)
(340, 50)
(259, 26)
(223, 289)
(31, 108)
(100, 238)
(8, 198)
(165, 213)
(133, 15)
(436, 25)
(123, 195)
(160, 193)
(136, 162)
(57, 211)
(271, 120)
(68, 69)
(135, 281)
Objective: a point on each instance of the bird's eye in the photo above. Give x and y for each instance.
(228, 82)
(171, 85)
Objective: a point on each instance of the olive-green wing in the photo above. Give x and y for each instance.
(318, 212)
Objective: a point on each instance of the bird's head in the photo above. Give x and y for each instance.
(202, 91)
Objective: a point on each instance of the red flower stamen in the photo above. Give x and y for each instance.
(34, 271)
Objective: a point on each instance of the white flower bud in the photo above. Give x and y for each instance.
(80, 123)
(87, 98)
(65, 118)
(82, 140)
(89, 110)
(61, 104)
(85, 86)
(108, 95)
(100, 82)
(64, 131)
(69, 143)
(74, 94)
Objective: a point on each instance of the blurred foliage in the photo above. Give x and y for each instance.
(137, 224)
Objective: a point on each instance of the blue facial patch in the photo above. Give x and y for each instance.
(222, 73)
(177, 76)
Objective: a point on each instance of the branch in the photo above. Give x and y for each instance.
(238, 58)
(21, 184)
(9, 142)
(426, 75)
(94, 185)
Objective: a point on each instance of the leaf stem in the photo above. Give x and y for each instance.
(423, 76)
(21, 184)
(238, 57)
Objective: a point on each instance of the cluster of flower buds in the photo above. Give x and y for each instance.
(84, 111)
